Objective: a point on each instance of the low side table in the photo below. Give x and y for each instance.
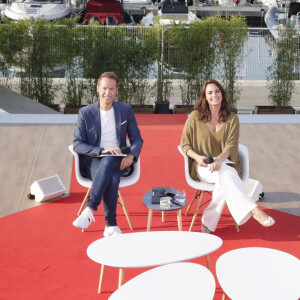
(151, 206)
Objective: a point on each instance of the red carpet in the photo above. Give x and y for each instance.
(42, 256)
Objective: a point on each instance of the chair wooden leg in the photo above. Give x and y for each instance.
(102, 272)
(84, 200)
(235, 223)
(179, 219)
(236, 226)
(121, 277)
(125, 209)
(196, 211)
(192, 201)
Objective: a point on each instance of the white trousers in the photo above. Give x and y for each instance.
(229, 189)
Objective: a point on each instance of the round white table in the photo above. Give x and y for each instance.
(260, 274)
(175, 281)
(148, 249)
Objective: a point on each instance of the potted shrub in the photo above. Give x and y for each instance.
(163, 85)
(280, 77)
(232, 35)
(139, 54)
(38, 62)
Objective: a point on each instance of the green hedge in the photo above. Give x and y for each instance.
(41, 50)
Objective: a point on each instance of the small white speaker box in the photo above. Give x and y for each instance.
(254, 189)
(47, 188)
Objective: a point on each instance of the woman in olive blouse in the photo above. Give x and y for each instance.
(213, 130)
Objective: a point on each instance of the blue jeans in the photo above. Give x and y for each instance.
(105, 173)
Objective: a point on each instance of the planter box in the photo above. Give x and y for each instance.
(55, 107)
(183, 109)
(143, 109)
(273, 110)
(72, 110)
(162, 108)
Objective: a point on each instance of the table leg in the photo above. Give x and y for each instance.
(179, 219)
(162, 216)
(101, 278)
(207, 260)
(149, 219)
(121, 277)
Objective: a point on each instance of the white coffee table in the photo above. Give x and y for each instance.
(260, 274)
(175, 281)
(148, 249)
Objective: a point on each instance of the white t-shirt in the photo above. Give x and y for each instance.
(108, 129)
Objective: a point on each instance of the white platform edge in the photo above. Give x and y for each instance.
(70, 119)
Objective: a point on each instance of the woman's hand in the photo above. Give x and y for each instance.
(200, 161)
(216, 165)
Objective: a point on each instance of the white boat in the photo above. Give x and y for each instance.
(2, 11)
(46, 9)
(278, 17)
(169, 13)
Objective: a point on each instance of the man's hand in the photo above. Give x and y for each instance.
(126, 161)
(112, 150)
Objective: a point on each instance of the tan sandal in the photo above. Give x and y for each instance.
(269, 221)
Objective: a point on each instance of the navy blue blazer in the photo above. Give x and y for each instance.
(87, 134)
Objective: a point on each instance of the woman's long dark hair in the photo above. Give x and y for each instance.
(202, 105)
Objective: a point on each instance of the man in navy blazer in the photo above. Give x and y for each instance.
(102, 128)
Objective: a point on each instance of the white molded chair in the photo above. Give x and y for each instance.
(124, 181)
(202, 187)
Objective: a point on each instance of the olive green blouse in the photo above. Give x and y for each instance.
(198, 137)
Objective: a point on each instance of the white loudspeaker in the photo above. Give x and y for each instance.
(47, 188)
(254, 189)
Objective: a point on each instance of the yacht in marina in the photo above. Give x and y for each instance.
(283, 14)
(46, 9)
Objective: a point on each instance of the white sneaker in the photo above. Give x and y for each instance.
(111, 230)
(85, 219)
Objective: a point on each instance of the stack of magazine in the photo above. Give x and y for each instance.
(164, 196)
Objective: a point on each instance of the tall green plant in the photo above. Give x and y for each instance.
(281, 81)
(38, 62)
(206, 46)
(232, 35)
(98, 52)
(13, 36)
(163, 85)
(139, 53)
(196, 46)
(72, 62)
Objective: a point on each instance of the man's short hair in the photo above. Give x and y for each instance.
(110, 75)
